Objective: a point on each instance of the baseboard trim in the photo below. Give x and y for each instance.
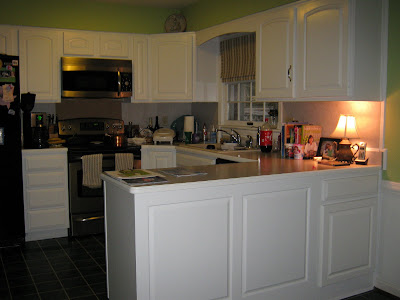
(47, 234)
(387, 287)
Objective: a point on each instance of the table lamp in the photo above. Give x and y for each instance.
(345, 129)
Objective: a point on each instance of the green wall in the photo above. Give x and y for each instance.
(84, 14)
(207, 13)
(392, 124)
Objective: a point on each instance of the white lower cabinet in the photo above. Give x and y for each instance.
(271, 237)
(348, 240)
(45, 177)
(157, 157)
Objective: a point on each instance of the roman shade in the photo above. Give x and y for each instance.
(238, 57)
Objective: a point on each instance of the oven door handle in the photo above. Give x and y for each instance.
(90, 219)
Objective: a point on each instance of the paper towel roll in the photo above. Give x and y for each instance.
(189, 124)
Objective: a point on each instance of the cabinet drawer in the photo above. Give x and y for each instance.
(47, 198)
(47, 219)
(45, 179)
(339, 188)
(42, 163)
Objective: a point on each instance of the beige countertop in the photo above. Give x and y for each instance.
(252, 166)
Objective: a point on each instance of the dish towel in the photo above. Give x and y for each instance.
(92, 166)
(123, 161)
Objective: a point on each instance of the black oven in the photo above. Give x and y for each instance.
(85, 137)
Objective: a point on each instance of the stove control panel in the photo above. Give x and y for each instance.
(88, 126)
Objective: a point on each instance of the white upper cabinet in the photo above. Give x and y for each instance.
(140, 66)
(171, 66)
(275, 55)
(8, 40)
(80, 43)
(97, 44)
(39, 51)
(114, 45)
(339, 49)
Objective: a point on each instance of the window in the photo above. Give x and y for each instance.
(240, 104)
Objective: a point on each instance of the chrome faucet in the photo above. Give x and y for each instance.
(234, 138)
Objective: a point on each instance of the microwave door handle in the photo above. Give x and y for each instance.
(119, 83)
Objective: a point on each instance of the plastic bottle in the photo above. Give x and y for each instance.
(266, 137)
(213, 135)
(204, 133)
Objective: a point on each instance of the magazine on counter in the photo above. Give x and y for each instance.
(182, 172)
(145, 180)
(132, 173)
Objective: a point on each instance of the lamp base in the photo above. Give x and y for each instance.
(344, 151)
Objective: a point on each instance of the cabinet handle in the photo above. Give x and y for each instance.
(288, 73)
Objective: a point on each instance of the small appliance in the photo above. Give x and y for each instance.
(96, 78)
(40, 132)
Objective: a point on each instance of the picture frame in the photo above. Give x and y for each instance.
(324, 148)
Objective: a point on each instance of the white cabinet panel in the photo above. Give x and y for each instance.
(348, 243)
(338, 188)
(156, 157)
(200, 242)
(49, 218)
(43, 162)
(8, 40)
(45, 179)
(172, 67)
(275, 55)
(114, 45)
(80, 43)
(40, 63)
(322, 48)
(140, 66)
(274, 239)
(43, 198)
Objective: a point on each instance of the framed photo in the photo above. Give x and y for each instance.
(327, 147)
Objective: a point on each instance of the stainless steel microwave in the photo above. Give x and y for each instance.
(95, 78)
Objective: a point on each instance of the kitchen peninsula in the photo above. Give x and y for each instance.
(268, 228)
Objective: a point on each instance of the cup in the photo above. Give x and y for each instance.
(188, 137)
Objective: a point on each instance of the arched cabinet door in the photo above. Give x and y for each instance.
(40, 63)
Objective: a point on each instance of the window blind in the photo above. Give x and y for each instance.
(238, 57)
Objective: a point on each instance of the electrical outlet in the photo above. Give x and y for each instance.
(164, 121)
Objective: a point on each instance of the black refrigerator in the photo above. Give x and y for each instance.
(12, 227)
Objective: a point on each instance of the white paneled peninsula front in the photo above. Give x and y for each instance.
(268, 229)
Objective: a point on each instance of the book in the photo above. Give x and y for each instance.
(132, 173)
(145, 180)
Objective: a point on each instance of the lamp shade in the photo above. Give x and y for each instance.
(346, 128)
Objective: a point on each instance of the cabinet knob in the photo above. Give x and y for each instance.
(288, 73)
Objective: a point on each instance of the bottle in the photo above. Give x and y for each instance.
(156, 126)
(213, 135)
(204, 133)
(266, 137)
(150, 126)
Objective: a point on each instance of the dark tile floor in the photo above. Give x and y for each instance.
(56, 269)
(70, 268)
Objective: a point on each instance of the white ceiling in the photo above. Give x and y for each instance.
(154, 3)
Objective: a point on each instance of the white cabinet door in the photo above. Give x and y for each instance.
(156, 157)
(8, 40)
(348, 240)
(322, 45)
(114, 45)
(172, 66)
(80, 43)
(275, 55)
(140, 66)
(39, 51)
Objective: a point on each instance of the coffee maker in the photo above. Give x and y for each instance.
(40, 132)
(35, 132)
